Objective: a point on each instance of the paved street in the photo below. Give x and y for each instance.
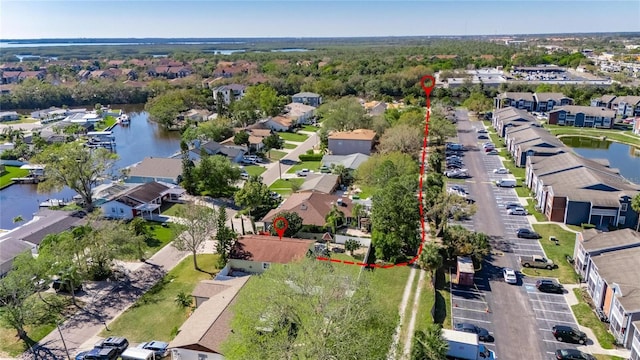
(273, 171)
(513, 314)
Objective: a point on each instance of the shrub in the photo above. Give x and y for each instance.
(587, 226)
(310, 157)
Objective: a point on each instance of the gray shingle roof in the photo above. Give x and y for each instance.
(352, 161)
(157, 167)
(517, 96)
(587, 110)
(596, 240)
(546, 96)
(323, 183)
(617, 267)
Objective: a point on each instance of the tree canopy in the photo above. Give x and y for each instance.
(344, 114)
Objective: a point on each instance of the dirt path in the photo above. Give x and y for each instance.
(403, 307)
(414, 312)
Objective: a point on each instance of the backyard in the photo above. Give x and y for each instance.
(287, 136)
(9, 173)
(157, 309)
(558, 253)
(284, 186)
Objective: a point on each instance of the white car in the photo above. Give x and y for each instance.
(501, 171)
(510, 276)
(303, 172)
(517, 211)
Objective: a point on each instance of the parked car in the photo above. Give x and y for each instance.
(536, 261)
(568, 334)
(549, 286)
(512, 205)
(573, 354)
(492, 152)
(119, 343)
(325, 169)
(481, 131)
(459, 188)
(489, 148)
(510, 276)
(527, 234)
(482, 136)
(457, 174)
(483, 334)
(244, 175)
(158, 347)
(303, 172)
(517, 211)
(98, 354)
(501, 171)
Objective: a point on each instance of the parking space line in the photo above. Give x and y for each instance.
(553, 341)
(553, 311)
(469, 309)
(482, 321)
(550, 302)
(469, 300)
(560, 321)
(467, 291)
(541, 329)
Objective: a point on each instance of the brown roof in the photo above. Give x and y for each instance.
(311, 206)
(269, 249)
(157, 167)
(284, 121)
(209, 325)
(260, 132)
(358, 134)
(146, 192)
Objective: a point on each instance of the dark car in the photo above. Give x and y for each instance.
(158, 347)
(98, 354)
(65, 286)
(119, 343)
(483, 334)
(482, 137)
(568, 334)
(572, 354)
(528, 234)
(549, 286)
(512, 205)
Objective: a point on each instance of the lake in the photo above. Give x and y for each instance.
(142, 138)
(626, 158)
(35, 43)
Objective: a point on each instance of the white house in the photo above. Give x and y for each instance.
(226, 93)
(144, 200)
(9, 116)
(300, 113)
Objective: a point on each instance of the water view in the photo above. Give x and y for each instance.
(142, 138)
(626, 158)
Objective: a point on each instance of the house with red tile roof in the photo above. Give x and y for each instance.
(312, 207)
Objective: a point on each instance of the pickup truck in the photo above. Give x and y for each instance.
(536, 261)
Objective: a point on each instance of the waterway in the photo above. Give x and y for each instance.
(142, 138)
(623, 157)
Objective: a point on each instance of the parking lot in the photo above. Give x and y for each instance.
(475, 304)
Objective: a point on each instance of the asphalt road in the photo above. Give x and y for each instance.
(273, 172)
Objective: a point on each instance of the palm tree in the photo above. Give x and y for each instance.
(635, 205)
(430, 259)
(358, 212)
(334, 218)
(429, 344)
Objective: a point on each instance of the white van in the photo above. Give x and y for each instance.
(138, 354)
(506, 183)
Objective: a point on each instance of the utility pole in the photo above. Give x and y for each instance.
(280, 168)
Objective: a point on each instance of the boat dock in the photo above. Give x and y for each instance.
(103, 139)
(54, 203)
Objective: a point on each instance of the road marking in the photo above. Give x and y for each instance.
(482, 321)
(550, 302)
(477, 301)
(467, 291)
(550, 320)
(545, 329)
(468, 309)
(553, 311)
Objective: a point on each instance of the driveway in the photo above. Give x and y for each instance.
(274, 170)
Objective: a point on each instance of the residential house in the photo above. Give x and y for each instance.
(532, 140)
(299, 113)
(200, 337)
(255, 142)
(279, 123)
(605, 101)
(614, 287)
(227, 69)
(143, 200)
(312, 207)
(233, 153)
(115, 63)
(104, 74)
(352, 142)
(253, 254)
(321, 183)
(169, 72)
(582, 116)
(9, 250)
(374, 108)
(228, 93)
(590, 243)
(9, 116)
(519, 100)
(574, 190)
(152, 169)
(626, 106)
(307, 98)
(545, 102)
(196, 115)
(6, 89)
(10, 77)
(635, 343)
(352, 161)
(508, 117)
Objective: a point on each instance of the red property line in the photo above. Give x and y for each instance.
(427, 91)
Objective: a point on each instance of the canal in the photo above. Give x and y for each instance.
(623, 157)
(142, 138)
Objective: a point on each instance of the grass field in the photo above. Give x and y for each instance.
(531, 208)
(587, 318)
(558, 253)
(289, 146)
(293, 137)
(310, 128)
(311, 165)
(161, 236)
(157, 309)
(173, 209)
(254, 170)
(613, 135)
(438, 296)
(9, 173)
(275, 154)
(283, 186)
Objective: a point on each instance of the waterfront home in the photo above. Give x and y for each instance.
(9, 116)
(143, 200)
(307, 98)
(312, 207)
(9, 250)
(573, 190)
(352, 142)
(233, 152)
(509, 117)
(150, 169)
(583, 116)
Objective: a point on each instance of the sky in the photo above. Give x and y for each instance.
(25, 19)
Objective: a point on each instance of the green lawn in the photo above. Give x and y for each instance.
(611, 134)
(275, 154)
(9, 173)
(173, 209)
(283, 186)
(293, 137)
(587, 318)
(310, 128)
(366, 191)
(157, 309)
(607, 357)
(531, 208)
(522, 191)
(558, 253)
(161, 235)
(496, 140)
(311, 165)
(441, 297)
(254, 169)
(24, 119)
(289, 146)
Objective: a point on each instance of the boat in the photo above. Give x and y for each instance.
(124, 119)
(54, 203)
